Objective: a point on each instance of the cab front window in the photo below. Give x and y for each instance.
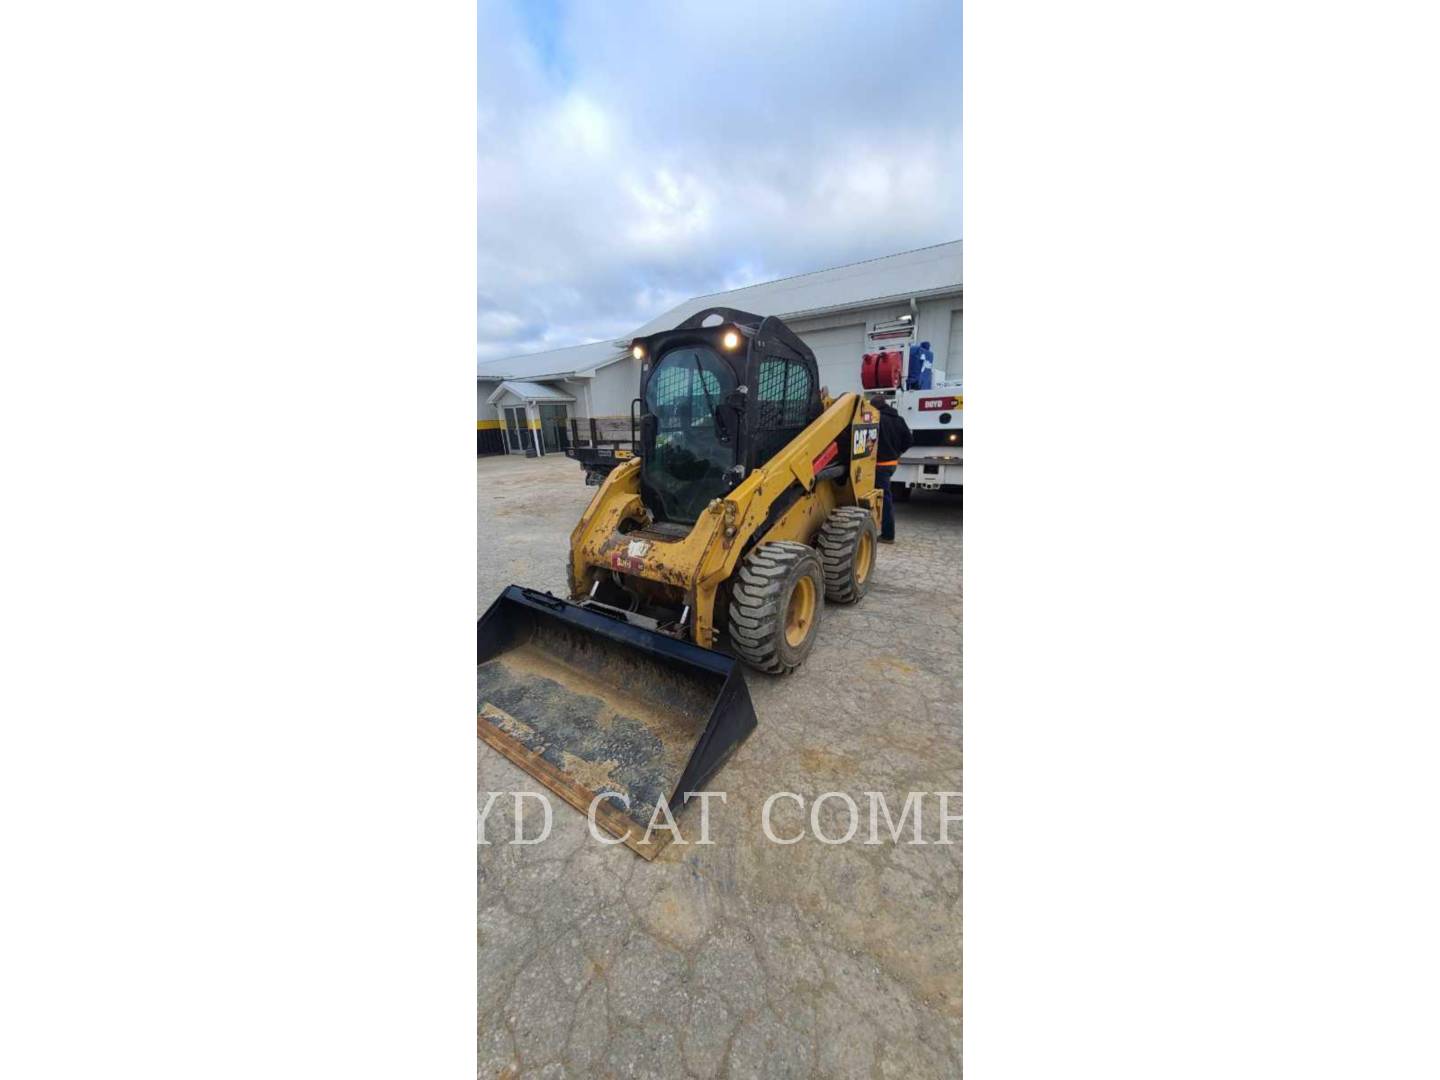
(685, 460)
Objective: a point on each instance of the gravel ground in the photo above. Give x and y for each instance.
(741, 958)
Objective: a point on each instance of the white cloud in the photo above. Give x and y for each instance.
(635, 155)
(672, 210)
(581, 127)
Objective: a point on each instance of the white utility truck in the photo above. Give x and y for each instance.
(936, 417)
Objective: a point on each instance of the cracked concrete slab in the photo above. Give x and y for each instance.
(741, 958)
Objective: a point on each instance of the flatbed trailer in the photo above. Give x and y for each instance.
(599, 461)
(599, 446)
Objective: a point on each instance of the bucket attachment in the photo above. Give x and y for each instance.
(587, 703)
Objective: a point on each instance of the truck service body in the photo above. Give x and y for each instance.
(936, 418)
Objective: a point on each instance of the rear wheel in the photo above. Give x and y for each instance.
(775, 606)
(847, 553)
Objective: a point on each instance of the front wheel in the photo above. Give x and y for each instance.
(775, 606)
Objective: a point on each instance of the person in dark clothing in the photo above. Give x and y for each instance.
(895, 439)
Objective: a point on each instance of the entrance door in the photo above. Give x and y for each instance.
(552, 427)
(517, 431)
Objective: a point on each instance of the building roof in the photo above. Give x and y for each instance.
(931, 271)
(573, 361)
(928, 271)
(527, 391)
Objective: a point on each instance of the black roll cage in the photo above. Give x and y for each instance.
(761, 337)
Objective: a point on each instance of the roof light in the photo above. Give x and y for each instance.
(730, 340)
(637, 352)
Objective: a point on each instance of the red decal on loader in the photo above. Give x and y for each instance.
(825, 458)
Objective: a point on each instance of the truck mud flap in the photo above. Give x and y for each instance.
(589, 704)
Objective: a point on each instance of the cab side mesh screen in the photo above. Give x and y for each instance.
(783, 395)
(782, 405)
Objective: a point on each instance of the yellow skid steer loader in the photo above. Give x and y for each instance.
(752, 498)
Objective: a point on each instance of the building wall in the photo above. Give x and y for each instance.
(614, 387)
(839, 339)
(580, 390)
(934, 323)
(954, 368)
(838, 346)
(489, 438)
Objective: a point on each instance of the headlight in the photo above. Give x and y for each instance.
(637, 352)
(730, 340)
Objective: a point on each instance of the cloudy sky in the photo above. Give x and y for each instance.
(634, 153)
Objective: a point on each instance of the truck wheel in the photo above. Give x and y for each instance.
(847, 553)
(775, 606)
(900, 492)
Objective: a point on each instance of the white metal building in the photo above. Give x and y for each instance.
(843, 313)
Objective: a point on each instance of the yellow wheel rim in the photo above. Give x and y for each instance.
(800, 612)
(864, 558)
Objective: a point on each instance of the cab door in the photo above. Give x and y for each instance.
(684, 457)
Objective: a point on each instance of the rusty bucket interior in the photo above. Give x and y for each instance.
(589, 704)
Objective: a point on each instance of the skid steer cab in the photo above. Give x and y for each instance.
(750, 504)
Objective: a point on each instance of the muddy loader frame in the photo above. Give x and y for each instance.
(669, 576)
